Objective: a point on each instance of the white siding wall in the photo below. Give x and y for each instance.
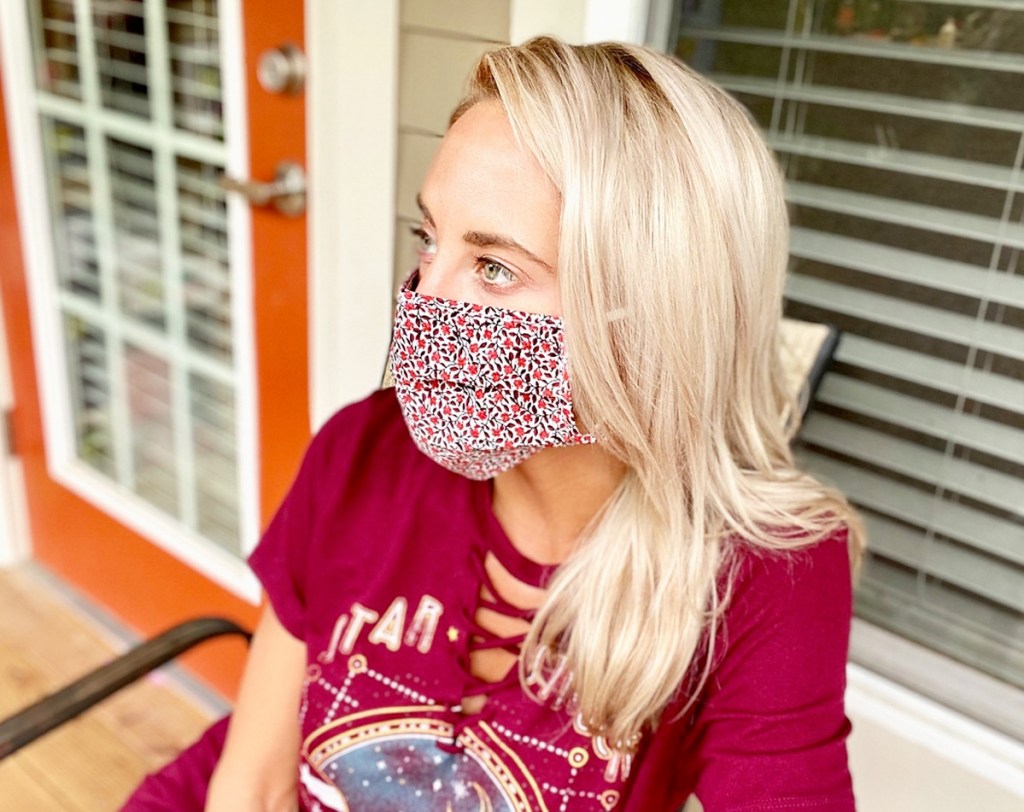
(440, 42)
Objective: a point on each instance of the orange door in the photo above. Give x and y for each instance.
(161, 402)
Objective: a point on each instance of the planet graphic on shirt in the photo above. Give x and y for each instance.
(410, 764)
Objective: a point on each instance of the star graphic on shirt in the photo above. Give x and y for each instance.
(453, 634)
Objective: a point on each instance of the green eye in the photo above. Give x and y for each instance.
(496, 273)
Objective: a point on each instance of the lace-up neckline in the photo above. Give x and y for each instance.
(499, 618)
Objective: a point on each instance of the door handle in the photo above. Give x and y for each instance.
(286, 192)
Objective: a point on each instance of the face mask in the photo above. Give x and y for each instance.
(481, 388)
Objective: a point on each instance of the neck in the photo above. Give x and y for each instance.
(546, 501)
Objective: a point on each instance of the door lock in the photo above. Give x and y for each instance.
(282, 70)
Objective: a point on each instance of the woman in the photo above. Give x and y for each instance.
(491, 590)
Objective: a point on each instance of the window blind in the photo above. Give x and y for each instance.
(900, 128)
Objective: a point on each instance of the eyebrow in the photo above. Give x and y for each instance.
(485, 239)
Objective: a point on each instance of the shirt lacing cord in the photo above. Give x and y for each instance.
(483, 639)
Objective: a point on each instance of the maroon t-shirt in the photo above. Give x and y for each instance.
(375, 561)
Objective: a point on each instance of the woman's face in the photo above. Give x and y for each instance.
(489, 233)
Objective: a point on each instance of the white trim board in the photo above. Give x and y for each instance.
(352, 147)
(617, 20)
(236, 135)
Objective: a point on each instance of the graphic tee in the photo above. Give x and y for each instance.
(378, 559)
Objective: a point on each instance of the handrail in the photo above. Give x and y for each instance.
(53, 710)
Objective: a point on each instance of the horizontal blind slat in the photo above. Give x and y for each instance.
(996, 439)
(906, 315)
(117, 69)
(857, 46)
(970, 526)
(62, 56)
(907, 266)
(938, 373)
(1005, 5)
(215, 218)
(985, 485)
(952, 563)
(927, 109)
(195, 240)
(192, 18)
(125, 40)
(899, 212)
(878, 156)
(208, 273)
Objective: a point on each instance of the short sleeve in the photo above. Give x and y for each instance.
(770, 733)
(280, 558)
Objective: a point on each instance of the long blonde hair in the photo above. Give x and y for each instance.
(673, 248)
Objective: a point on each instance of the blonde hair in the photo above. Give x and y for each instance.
(673, 249)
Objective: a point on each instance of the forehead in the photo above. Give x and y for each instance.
(481, 171)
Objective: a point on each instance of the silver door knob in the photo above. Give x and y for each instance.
(286, 192)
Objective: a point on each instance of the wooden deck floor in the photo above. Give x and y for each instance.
(93, 762)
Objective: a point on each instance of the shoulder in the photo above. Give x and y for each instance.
(369, 430)
(378, 412)
(353, 484)
(363, 448)
(756, 574)
(787, 617)
(363, 460)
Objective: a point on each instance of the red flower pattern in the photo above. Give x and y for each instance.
(481, 388)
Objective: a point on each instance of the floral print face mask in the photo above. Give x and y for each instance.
(481, 388)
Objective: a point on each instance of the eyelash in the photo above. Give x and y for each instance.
(426, 244)
(421, 234)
